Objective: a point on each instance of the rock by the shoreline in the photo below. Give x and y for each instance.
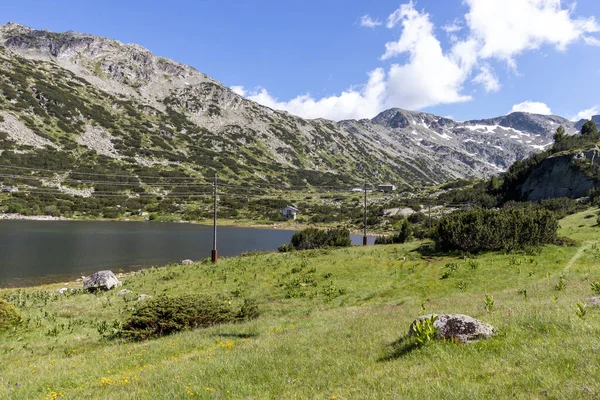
(63, 290)
(187, 262)
(123, 292)
(459, 327)
(144, 297)
(104, 280)
(31, 217)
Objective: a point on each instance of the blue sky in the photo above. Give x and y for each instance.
(351, 59)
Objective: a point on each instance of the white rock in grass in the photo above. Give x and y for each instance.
(458, 326)
(104, 280)
(187, 262)
(123, 292)
(144, 297)
(62, 290)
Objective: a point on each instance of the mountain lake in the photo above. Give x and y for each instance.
(37, 252)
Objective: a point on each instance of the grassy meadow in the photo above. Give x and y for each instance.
(331, 327)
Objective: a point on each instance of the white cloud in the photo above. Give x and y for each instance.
(586, 114)
(591, 41)
(453, 27)
(429, 77)
(352, 103)
(506, 28)
(238, 90)
(534, 107)
(432, 75)
(488, 79)
(398, 15)
(368, 22)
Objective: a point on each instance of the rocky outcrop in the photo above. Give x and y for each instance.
(101, 280)
(458, 327)
(561, 176)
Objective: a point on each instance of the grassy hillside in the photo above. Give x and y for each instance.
(330, 327)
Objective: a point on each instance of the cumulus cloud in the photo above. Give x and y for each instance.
(534, 107)
(238, 90)
(506, 28)
(586, 114)
(431, 75)
(368, 22)
(352, 103)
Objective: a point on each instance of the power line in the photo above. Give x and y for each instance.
(93, 173)
(160, 177)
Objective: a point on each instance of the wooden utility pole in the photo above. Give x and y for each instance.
(429, 205)
(365, 242)
(215, 253)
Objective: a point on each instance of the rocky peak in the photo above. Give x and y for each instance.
(579, 124)
(397, 118)
(544, 125)
(129, 64)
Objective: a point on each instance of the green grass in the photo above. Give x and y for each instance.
(335, 337)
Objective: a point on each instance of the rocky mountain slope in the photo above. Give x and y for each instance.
(71, 101)
(568, 174)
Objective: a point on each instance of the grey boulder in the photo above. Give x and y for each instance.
(101, 280)
(123, 292)
(143, 297)
(458, 327)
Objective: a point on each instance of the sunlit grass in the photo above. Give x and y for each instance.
(333, 337)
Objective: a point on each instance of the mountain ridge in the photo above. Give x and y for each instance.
(177, 111)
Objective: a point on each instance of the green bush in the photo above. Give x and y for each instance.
(506, 229)
(9, 316)
(166, 315)
(312, 238)
(404, 234)
(561, 206)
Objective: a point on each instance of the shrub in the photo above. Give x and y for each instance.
(581, 310)
(312, 238)
(506, 229)
(424, 330)
(165, 315)
(489, 303)
(404, 235)
(9, 316)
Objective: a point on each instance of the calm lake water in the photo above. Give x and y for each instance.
(34, 252)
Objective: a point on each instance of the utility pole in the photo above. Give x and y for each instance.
(215, 253)
(365, 216)
(429, 205)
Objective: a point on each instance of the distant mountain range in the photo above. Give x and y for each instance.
(74, 101)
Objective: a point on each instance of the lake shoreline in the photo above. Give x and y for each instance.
(220, 222)
(36, 251)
